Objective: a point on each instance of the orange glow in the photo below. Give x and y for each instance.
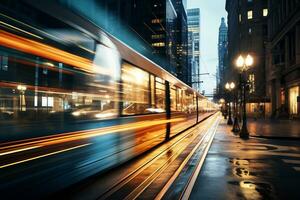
(36, 48)
(32, 64)
(78, 135)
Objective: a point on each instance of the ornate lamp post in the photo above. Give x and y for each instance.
(222, 101)
(236, 126)
(229, 87)
(243, 64)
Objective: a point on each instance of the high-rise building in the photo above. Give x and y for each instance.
(194, 29)
(247, 34)
(182, 68)
(222, 55)
(154, 28)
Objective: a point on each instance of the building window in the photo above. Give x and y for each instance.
(250, 14)
(240, 17)
(159, 36)
(158, 44)
(293, 95)
(265, 12)
(252, 83)
(156, 21)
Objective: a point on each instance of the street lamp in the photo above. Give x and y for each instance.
(229, 87)
(222, 101)
(243, 64)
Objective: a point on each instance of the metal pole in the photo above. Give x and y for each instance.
(168, 109)
(229, 121)
(244, 132)
(236, 126)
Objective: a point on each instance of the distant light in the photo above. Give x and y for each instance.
(21, 87)
(76, 114)
(265, 12)
(227, 86)
(240, 61)
(232, 85)
(49, 64)
(249, 60)
(104, 115)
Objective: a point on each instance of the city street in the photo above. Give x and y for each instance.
(149, 99)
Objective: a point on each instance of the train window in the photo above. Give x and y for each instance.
(135, 84)
(160, 94)
(179, 99)
(152, 86)
(53, 71)
(189, 104)
(173, 99)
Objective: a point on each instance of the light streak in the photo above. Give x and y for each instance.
(18, 150)
(39, 49)
(42, 156)
(21, 30)
(78, 135)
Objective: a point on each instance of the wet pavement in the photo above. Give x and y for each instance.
(257, 168)
(274, 128)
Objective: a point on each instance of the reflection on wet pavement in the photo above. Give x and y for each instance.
(253, 169)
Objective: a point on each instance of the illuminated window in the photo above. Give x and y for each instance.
(35, 101)
(159, 36)
(156, 21)
(265, 12)
(160, 93)
(158, 44)
(240, 17)
(250, 14)
(173, 98)
(135, 90)
(293, 104)
(47, 102)
(252, 83)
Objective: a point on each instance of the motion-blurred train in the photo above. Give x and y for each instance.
(58, 69)
(60, 74)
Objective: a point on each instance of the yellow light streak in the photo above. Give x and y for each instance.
(39, 49)
(77, 135)
(21, 30)
(45, 155)
(19, 150)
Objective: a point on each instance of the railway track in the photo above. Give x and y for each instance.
(168, 172)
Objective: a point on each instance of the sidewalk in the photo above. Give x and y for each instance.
(274, 128)
(249, 169)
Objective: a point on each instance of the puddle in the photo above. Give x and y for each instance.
(241, 172)
(259, 148)
(254, 190)
(238, 162)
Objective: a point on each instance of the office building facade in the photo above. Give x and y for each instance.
(222, 55)
(155, 28)
(247, 34)
(194, 29)
(283, 58)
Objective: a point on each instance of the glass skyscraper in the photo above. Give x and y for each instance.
(194, 42)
